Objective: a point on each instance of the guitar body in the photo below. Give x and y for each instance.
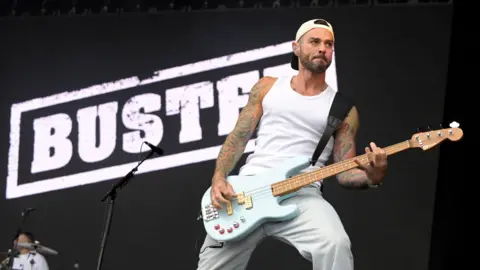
(265, 207)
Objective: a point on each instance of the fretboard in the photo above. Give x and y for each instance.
(296, 182)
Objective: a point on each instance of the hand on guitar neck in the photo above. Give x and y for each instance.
(377, 164)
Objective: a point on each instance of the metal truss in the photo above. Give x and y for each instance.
(22, 8)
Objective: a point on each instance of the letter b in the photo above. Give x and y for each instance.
(51, 133)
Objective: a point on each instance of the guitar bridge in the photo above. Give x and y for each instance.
(209, 212)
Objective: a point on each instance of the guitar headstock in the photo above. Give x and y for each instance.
(428, 139)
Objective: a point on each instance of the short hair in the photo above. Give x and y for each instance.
(29, 235)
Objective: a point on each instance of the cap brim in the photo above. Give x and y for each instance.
(294, 62)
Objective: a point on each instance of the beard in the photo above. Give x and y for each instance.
(315, 67)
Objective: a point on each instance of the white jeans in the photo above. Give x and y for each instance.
(317, 233)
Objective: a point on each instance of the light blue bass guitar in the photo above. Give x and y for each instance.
(259, 197)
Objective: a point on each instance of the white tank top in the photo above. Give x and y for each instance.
(291, 125)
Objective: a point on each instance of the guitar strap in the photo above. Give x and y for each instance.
(338, 111)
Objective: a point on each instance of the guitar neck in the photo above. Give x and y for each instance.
(296, 182)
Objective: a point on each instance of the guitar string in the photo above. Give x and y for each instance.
(300, 178)
(262, 192)
(266, 191)
(285, 186)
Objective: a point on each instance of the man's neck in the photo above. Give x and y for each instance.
(308, 83)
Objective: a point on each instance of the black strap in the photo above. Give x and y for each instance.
(338, 111)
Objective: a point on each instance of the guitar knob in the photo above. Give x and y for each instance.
(242, 219)
(236, 225)
(216, 227)
(229, 230)
(222, 231)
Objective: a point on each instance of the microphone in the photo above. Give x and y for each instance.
(155, 149)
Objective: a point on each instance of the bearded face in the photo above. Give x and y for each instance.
(315, 63)
(315, 50)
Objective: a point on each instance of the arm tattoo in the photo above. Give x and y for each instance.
(234, 146)
(345, 148)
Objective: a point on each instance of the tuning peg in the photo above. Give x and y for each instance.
(454, 124)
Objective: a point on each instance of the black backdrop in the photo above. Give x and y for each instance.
(391, 61)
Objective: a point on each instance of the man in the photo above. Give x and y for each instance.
(291, 113)
(28, 259)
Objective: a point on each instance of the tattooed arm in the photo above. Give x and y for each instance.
(345, 148)
(234, 146)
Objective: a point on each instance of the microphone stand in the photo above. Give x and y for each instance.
(110, 198)
(13, 253)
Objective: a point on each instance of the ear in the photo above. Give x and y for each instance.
(295, 48)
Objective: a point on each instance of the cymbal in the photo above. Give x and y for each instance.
(38, 248)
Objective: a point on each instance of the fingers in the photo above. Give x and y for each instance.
(376, 149)
(221, 197)
(218, 199)
(372, 153)
(213, 198)
(231, 192)
(227, 191)
(379, 156)
(222, 193)
(361, 165)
